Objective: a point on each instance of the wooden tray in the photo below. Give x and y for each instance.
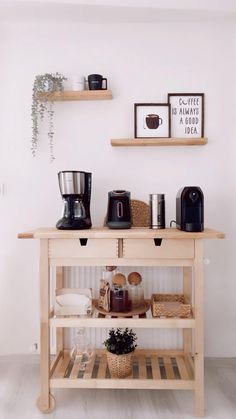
(135, 312)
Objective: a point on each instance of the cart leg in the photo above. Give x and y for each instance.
(187, 290)
(199, 328)
(60, 330)
(45, 400)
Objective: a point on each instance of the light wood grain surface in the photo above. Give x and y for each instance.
(19, 389)
(147, 142)
(133, 233)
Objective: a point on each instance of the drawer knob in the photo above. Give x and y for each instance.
(83, 242)
(157, 242)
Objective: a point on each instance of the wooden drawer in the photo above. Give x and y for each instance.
(83, 248)
(168, 249)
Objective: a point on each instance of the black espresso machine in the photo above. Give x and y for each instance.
(190, 209)
(75, 188)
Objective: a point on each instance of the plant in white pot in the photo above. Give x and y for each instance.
(41, 104)
(120, 347)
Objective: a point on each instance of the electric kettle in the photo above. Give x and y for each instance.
(119, 210)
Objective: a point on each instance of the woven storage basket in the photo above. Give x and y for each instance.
(120, 366)
(161, 308)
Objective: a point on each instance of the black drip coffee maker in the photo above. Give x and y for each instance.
(75, 188)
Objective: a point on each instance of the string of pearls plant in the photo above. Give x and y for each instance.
(48, 83)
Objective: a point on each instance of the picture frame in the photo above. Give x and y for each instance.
(187, 114)
(151, 120)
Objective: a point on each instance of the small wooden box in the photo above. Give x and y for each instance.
(170, 305)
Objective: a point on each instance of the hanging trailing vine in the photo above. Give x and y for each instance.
(48, 83)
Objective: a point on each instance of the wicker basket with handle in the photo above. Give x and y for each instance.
(170, 305)
(120, 366)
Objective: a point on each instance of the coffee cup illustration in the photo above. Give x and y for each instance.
(152, 121)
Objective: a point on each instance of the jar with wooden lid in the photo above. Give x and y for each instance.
(136, 292)
(119, 294)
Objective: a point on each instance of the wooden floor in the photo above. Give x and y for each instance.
(19, 389)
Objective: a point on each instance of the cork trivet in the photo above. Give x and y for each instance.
(140, 213)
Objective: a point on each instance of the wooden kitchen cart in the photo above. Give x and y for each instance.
(153, 369)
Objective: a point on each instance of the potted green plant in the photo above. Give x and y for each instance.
(41, 104)
(120, 347)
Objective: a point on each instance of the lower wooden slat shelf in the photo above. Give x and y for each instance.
(152, 369)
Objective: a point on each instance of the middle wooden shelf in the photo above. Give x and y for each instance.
(98, 320)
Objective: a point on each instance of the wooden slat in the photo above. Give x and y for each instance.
(156, 374)
(63, 364)
(182, 368)
(168, 368)
(102, 367)
(103, 322)
(89, 367)
(120, 262)
(190, 363)
(75, 370)
(55, 362)
(123, 384)
(147, 352)
(142, 367)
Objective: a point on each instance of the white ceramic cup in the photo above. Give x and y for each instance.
(78, 82)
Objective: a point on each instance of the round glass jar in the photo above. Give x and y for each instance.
(119, 294)
(136, 292)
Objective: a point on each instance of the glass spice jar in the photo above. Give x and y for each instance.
(119, 294)
(136, 293)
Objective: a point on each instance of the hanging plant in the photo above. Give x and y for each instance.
(41, 105)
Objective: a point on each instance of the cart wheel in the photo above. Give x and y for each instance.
(52, 403)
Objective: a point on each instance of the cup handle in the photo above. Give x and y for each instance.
(104, 79)
(160, 121)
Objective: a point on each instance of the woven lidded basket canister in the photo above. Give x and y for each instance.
(120, 366)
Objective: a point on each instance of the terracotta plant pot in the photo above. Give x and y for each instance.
(120, 366)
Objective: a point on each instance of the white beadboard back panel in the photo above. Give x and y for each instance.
(155, 279)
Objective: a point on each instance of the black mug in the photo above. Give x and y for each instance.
(95, 82)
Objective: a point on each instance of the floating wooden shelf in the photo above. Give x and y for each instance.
(73, 95)
(152, 369)
(143, 142)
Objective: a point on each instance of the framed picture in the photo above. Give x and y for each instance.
(151, 120)
(187, 114)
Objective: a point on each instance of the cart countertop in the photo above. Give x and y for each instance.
(133, 233)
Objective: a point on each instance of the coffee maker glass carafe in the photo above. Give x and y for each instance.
(75, 188)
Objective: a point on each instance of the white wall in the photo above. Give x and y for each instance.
(143, 62)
